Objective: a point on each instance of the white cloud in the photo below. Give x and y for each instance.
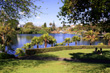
(22, 13)
(38, 17)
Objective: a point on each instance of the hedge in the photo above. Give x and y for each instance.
(6, 56)
(59, 48)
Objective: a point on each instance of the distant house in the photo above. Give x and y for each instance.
(72, 26)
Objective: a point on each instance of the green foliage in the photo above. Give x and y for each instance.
(67, 40)
(36, 41)
(29, 25)
(90, 36)
(2, 47)
(84, 10)
(107, 36)
(59, 48)
(60, 44)
(20, 52)
(27, 46)
(7, 33)
(45, 25)
(19, 8)
(101, 44)
(75, 38)
(6, 56)
(13, 23)
(52, 40)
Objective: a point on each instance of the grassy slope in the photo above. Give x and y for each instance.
(38, 66)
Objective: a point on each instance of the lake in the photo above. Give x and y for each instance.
(26, 38)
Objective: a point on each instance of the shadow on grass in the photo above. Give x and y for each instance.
(40, 57)
(9, 65)
(91, 57)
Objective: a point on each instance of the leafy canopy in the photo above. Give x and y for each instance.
(85, 11)
(90, 36)
(19, 8)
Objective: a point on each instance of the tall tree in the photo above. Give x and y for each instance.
(50, 24)
(85, 11)
(53, 26)
(45, 25)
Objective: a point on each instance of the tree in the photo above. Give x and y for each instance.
(107, 37)
(7, 34)
(90, 36)
(27, 46)
(45, 25)
(67, 40)
(20, 52)
(75, 39)
(45, 38)
(13, 23)
(52, 40)
(85, 11)
(19, 8)
(29, 25)
(53, 26)
(37, 41)
(50, 24)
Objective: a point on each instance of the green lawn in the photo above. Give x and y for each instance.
(66, 53)
(45, 66)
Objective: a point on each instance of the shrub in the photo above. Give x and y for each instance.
(19, 52)
(59, 48)
(6, 56)
(100, 43)
(2, 48)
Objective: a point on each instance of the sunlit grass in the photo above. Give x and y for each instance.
(66, 53)
(47, 66)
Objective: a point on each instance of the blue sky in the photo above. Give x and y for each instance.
(50, 9)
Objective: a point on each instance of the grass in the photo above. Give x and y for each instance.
(47, 66)
(66, 53)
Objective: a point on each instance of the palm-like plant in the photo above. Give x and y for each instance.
(27, 46)
(52, 40)
(45, 38)
(67, 40)
(37, 41)
(107, 37)
(75, 39)
(90, 36)
(19, 52)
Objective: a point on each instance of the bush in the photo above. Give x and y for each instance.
(59, 48)
(6, 56)
(2, 48)
(100, 43)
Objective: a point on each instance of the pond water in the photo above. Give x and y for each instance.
(26, 38)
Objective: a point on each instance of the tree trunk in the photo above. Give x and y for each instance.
(51, 45)
(37, 46)
(68, 44)
(76, 43)
(109, 42)
(45, 43)
(90, 43)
